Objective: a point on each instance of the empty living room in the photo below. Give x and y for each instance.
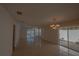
(39, 29)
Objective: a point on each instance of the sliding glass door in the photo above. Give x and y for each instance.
(33, 35)
(74, 41)
(69, 41)
(63, 42)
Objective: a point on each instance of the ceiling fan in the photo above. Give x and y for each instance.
(55, 25)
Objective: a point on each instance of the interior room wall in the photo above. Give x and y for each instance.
(50, 35)
(6, 32)
(22, 33)
(17, 32)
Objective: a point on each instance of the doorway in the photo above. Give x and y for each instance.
(13, 45)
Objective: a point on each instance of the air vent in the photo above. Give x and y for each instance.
(19, 13)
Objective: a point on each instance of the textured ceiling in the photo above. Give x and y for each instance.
(43, 13)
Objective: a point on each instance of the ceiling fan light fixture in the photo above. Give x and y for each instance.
(52, 25)
(55, 25)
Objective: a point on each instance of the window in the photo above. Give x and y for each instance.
(33, 34)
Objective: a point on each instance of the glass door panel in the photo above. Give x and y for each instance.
(74, 41)
(69, 41)
(63, 42)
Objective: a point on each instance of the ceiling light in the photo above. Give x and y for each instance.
(55, 25)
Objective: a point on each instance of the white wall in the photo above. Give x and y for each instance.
(50, 35)
(6, 32)
(17, 32)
